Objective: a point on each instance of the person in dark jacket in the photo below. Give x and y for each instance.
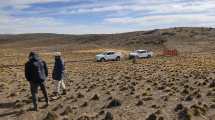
(36, 73)
(58, 74)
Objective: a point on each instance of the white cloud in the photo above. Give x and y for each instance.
(21, 4)
(116, 15)
(25, 2)
(161, 21)
(154, 6)
(12, 25)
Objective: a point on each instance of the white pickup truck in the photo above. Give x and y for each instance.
(108, 56)
(140, 54)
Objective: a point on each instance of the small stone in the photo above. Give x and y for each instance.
(95, 97)
(84, 118)
(161, 118)
(189, 98)
(179, 107)
(13, 94)
(140, 102)
(151, 117)
(158, 112)
(18, 104)
(147, 98)
(114, 103)
(80, 95)
(101, 112)
(85, 104)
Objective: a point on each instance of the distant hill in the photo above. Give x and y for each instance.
(184, 39)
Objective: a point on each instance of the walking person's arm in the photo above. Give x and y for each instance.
(27, 72)
(63, 65)
(45, 68)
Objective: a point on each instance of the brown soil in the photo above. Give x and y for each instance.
(159, 88)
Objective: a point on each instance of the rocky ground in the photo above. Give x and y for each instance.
(160, 88)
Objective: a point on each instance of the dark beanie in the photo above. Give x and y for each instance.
(32, 54)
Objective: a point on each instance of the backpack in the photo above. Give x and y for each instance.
(38, 71)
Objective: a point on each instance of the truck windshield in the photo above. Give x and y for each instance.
(141, 51)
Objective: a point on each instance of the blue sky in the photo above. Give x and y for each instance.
(102, 16)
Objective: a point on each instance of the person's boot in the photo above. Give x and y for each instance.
(47, 104)
(34, 105)
(64, 92)
(35, 108)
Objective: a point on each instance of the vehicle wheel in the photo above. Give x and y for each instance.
(149, 56)
(102, 60)
(131, 57)
(117, 58)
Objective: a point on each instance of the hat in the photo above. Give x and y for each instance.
(33, 55)
(57, 54)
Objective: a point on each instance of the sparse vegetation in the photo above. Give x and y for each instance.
(163, 88)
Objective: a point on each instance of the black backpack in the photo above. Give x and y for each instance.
(38, 71)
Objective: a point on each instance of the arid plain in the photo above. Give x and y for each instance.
(160, 88)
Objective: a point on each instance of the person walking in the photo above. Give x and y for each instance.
(58, 75)
(36, 73)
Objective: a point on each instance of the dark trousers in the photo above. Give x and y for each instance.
(34, 91)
